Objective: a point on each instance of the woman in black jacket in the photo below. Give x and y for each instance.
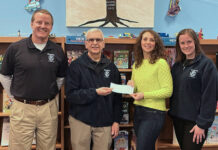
(193, 103)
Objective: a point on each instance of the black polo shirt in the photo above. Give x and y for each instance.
(34, 72)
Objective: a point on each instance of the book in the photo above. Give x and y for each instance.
(170, 56)
(212, 135)
(108, 53)
(175, 141)
(5, 132)
(121, 59)
(123, 78)
(73, 55)
(132, 58)
(133, 140)
(125, 110)
(1, 59)
(121, 141)
(7, 102)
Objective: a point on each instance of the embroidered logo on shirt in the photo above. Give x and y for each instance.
(51, 57)
(107, 73)
(193, 73)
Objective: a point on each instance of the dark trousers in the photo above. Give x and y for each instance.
(147, 125)
(183, 135)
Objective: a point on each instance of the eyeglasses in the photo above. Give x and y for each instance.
(91, 40)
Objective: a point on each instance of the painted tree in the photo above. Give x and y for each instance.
(111, 16)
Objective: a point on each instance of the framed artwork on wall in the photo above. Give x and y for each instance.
(110, 13)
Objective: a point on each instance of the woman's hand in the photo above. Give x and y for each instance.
(198, 134)
(130, 83)
(137, 96)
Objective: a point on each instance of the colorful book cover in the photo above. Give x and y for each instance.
(73, 55)
(5, 132)
(7, 102)
(121, 141)
(170, 56)
(125, 110)
(123, 78)
(212, 136)
(121, 59)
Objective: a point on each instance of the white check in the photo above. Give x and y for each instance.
(123, 89)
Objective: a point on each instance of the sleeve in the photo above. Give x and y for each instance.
(62, 64)
(208, 98)
(60, 82)
(8, 63)
(117, 99)
(74, 94)
(165, 80)
(133, 77)
(6, 83)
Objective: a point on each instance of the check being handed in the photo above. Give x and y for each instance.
(123, 89)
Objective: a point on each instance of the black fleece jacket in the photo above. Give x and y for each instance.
(84, 76)
(194, 91)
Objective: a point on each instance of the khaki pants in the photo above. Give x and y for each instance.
(26, 119)
(81, 135)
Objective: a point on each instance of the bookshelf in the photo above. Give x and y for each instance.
(4, 43)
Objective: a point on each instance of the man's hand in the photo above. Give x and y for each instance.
(104, 91)
(115, 130)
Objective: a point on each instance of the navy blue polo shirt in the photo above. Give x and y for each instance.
(34, 72)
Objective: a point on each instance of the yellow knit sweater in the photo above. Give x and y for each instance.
(155, 81)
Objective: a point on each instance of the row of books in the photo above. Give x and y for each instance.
(121, 58)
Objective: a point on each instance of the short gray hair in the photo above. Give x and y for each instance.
(94, 30)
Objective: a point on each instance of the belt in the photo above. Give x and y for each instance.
(33, 102)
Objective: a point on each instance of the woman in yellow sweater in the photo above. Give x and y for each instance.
(152, 81)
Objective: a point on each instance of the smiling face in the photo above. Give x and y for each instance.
(94, 43)
(41, 26)
(147, 44)
(187, 46)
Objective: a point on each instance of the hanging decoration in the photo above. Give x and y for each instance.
(174, 8)
(32, 5)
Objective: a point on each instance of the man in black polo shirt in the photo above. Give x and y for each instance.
(32, 73)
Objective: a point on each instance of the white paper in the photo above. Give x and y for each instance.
(123, 89)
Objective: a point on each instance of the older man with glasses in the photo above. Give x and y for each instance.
(95, 112)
